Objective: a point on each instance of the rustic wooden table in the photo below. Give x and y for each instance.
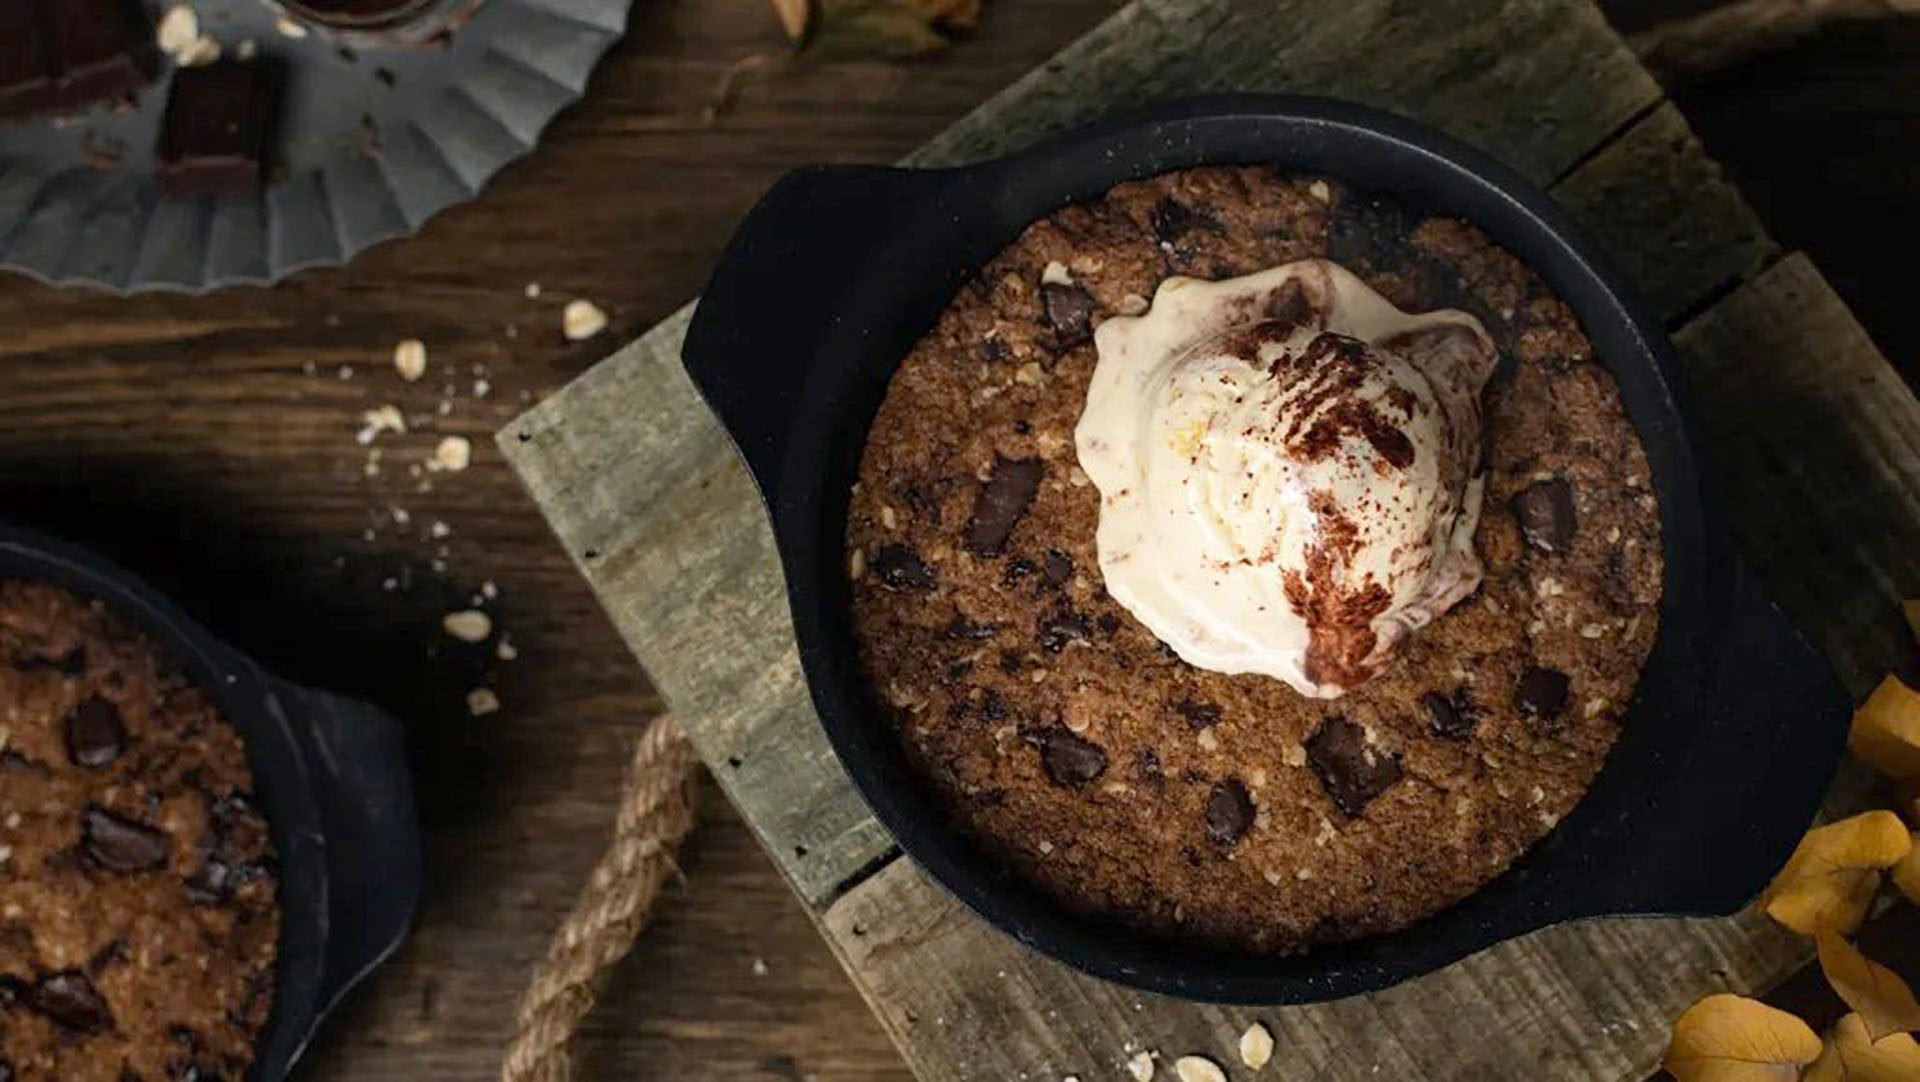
(210, 444)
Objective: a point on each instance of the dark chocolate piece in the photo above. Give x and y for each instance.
(122, 845)
(1003, 499)
(1057, 568)
(95, 733)
(1229, 812)
(1352, 771)
(213, 140)
(1061, 627)
(901, 568)
(1069, 760)
(1542, 693)
(1069, 314)
(71, 1000)
(1199, 715)
(1452, 717)
(1545, 511)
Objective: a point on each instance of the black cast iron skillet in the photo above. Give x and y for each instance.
(329, 774)
(838, 271)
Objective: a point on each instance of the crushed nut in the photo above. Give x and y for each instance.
(469, 625)
(1319, 190)
(201, 53)
(179, 29)
(1594, 708)
(1256, 1046)
(378, 420)
(581, 320)
(1294, 754)
(1030, 374)
(1141, 1067)
(857, 564)
(1592, 631)
(453, 454)
(1198, 1069)
(1208, 741)
(1078, 478)
(1055, 274)
(482, 701)
(410, 359)
(888, 518)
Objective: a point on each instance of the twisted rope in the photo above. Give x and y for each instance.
(656, 811)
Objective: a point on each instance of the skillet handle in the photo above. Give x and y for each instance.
(357, 764)
(755, 336)
(1728, 831)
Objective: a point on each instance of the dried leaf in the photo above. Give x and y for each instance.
(1728, 1038)
(1883, 1001)
(1851, 1056)
(1831, 878)
(1906, 875)
(1835, 903)
(794, 17)
(892, 28)
(1886, 730)
(1912, 609)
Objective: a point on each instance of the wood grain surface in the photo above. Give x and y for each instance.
(183, 436)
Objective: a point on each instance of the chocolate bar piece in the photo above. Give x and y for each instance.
(26, 79)
(62, 54)
(213, 140)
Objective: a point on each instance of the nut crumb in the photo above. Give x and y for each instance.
(482, 701)
(1198, 1069)
(178, 31)
(1256, 1046)
(1319, 190)
(1055, 274)
(410, 359)
(1141, 1067)
(378, 420)
(468, 625)
(582, 319)
(453, 454)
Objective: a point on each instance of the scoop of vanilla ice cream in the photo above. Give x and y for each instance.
(1288, 470)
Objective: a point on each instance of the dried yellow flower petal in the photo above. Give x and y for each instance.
(1851, 1056)
(1835, 903)
(1886, 730)
(1912, 609)
(1883, 1001)
(1729, 1038)
(1830, 880)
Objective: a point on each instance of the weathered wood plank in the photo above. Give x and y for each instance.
(1803, 412)
(1818, 441)
(1655, 201)
(1589, 1002)
(1540, 83)
(632, 468)
(647, 493)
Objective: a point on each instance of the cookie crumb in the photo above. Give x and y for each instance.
(1256, 1046)
(582, 319)
(410, 359)
(378, 420)
(468, 625)
(1198, 1069)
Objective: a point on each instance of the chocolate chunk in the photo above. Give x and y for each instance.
(1009, 662)
(211, 884)
(213, 139)
(900, 568)
(1545, 511)
(1146, 767)
(1108, 623)
(1017, 569)
(1069, 314)
(1351, 770)
(57, 55)
(992, 707)
(1173, 219)
(122, 845)
(1199, 715)
(114, 953)
(1542, 693)
(1057, 568)
(1069, 760)
(1060, 628)
(95, 733)
(964, 630)
(1002, 500)
(1229, 812)
(71, 1000)
(1451, 716)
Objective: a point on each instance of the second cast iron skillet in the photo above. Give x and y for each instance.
(838, 271)
(330, 775)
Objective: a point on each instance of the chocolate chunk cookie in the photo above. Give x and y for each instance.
(138, 920)
(1069, 742)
